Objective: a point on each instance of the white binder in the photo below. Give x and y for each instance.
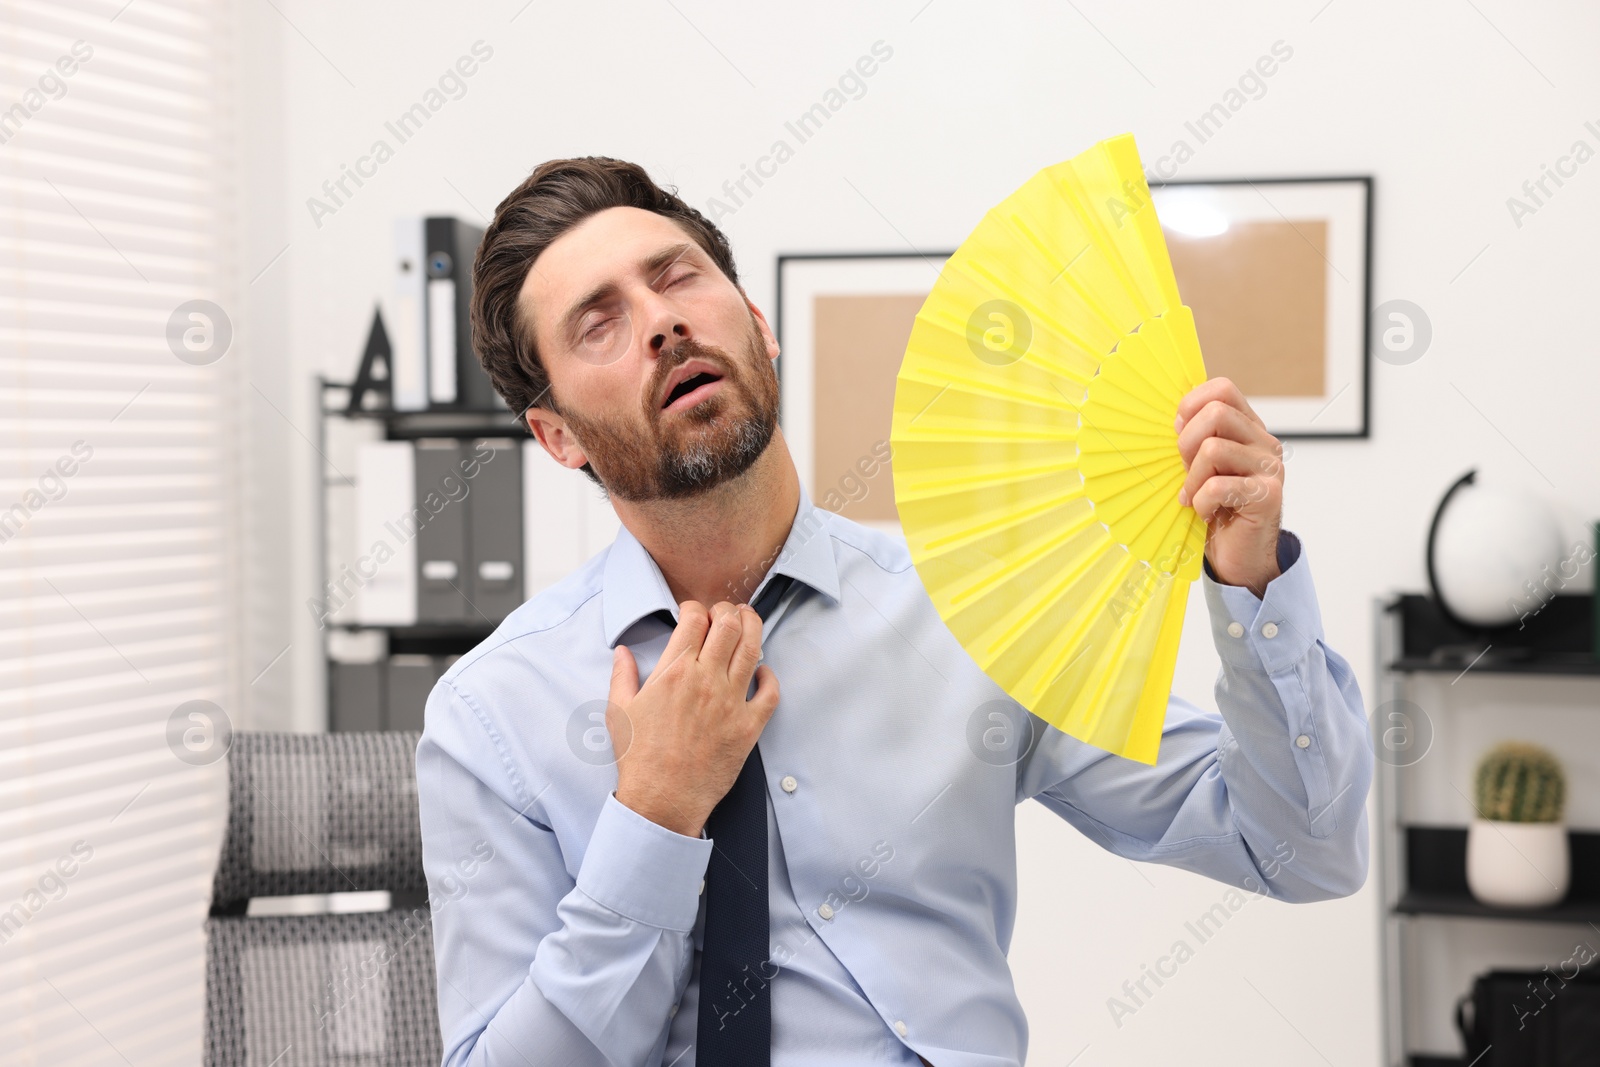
(386, 497)
(406, 318)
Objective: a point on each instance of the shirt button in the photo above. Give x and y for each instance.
(826, 911)
(900, 1027)
(702, 886)
(1269, 630)
(1235, 629)
(1303, 741)
(789, 784)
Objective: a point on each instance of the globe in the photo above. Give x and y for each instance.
(1492, 552)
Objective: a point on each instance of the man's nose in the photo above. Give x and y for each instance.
(664, 323)
(677, 330)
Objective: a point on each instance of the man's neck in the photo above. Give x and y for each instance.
(718, 545)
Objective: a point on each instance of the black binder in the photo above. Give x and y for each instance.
(444, 584)
(410, 680)
(357, 699)
(495, 534)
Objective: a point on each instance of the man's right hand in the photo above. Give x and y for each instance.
(682, 739)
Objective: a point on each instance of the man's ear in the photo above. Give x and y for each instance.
(552, 432)
(761, 323)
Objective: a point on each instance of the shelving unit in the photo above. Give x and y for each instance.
(1422, 868)
(443, 640)
(1436, 880)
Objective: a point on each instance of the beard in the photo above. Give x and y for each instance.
(670, 456)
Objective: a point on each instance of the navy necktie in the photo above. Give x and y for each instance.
(735, 1025)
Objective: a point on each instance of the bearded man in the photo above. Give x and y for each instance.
(786, 846)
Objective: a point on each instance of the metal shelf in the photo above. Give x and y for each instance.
(434, 422)
(1465, 907)
(1573, 664)
(1436, 880)
(1558, 639)
(441, 641)
(1422, 869)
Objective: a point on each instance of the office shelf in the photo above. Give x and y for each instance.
(1436, 880)
(436, 641)
(1464, 906)
(408, 652)
(1423, 869)
(410, 425)
(1548, 664)
(429, 632)
(1557, 640)
(333, 398)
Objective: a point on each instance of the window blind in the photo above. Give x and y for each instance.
(117, 513)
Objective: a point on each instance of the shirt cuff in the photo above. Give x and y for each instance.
(1272, 632)
(642, 870)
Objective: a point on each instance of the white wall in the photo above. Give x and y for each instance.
(1451, 106)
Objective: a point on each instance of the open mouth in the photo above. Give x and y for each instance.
(691, 391)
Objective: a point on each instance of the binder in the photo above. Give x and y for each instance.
(410, 680)
(385, 523)
(455, 377)
(444, 584)
(356, 700)
(407, 318)
(494, 520)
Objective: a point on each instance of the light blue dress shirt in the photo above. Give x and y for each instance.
(567, 927)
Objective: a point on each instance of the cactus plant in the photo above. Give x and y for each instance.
(1519, 782)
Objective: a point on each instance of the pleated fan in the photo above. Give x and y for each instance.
(1036, 468)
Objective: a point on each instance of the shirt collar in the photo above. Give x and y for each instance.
(635, 588)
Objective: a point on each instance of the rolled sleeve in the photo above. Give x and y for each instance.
(642, 870)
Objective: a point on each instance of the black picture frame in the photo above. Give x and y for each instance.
(799, 275)
(802, 257)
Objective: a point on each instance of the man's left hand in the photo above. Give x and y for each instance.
(1235, 482)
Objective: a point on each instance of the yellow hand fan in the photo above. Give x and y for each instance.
(1036, 468)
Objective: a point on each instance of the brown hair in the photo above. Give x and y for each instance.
(557, 196)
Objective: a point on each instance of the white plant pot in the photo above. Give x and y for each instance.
(1517, 864)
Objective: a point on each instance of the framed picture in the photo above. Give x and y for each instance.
(842, 324)
(1278, 273)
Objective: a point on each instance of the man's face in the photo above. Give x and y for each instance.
(662, 369)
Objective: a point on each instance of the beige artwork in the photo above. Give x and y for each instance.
(860, 341)
(1259, 296)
